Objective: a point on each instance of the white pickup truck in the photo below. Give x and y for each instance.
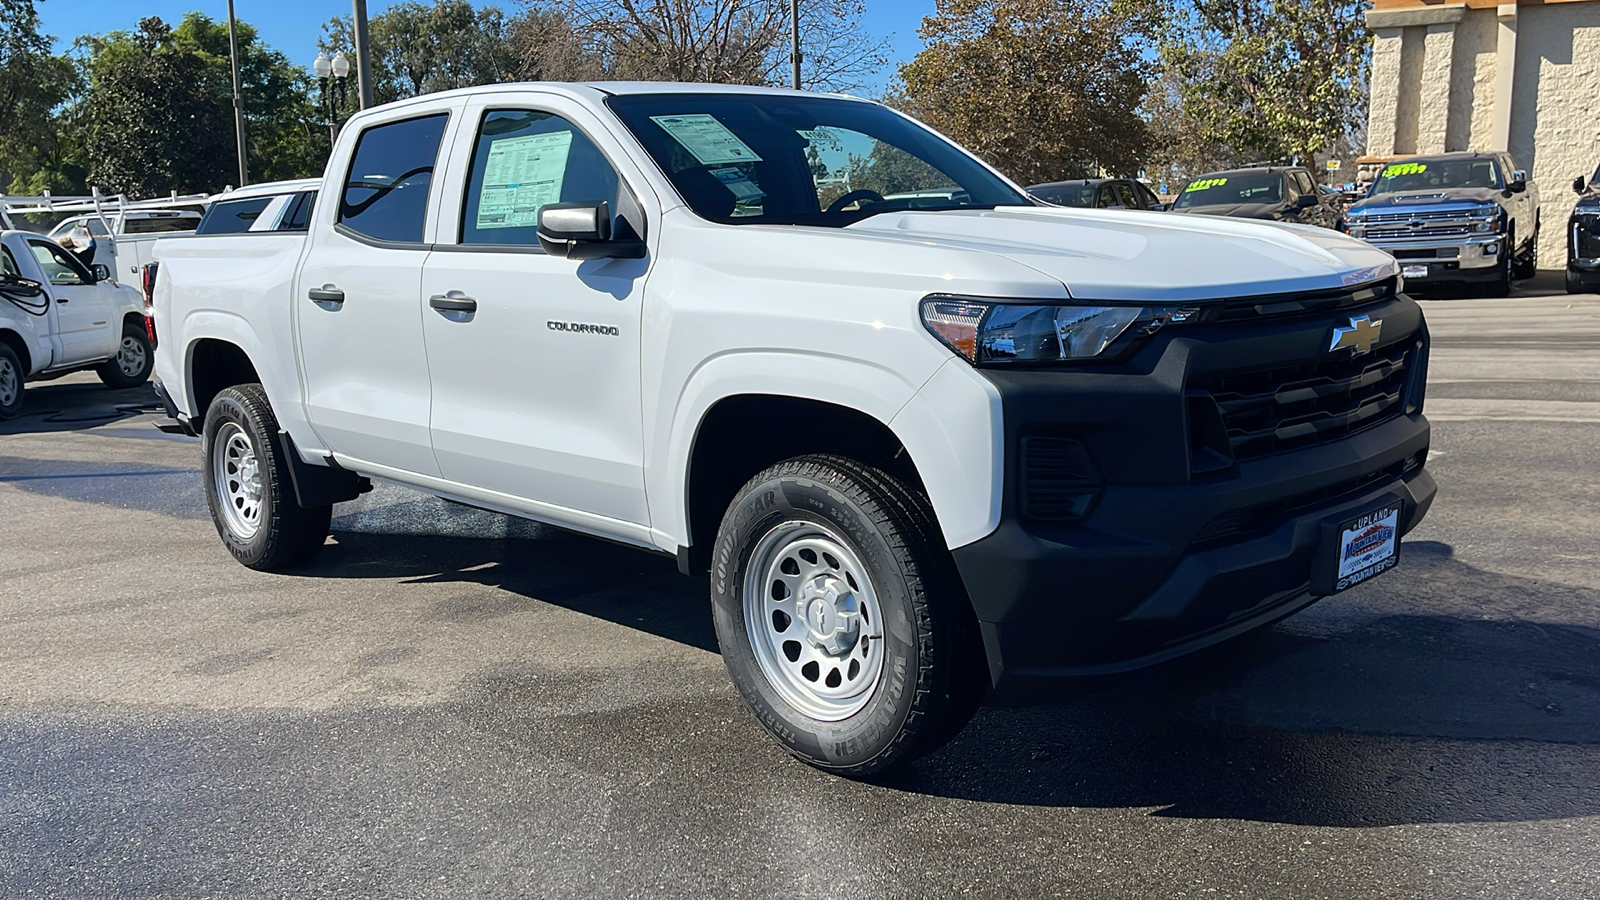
(59, 316)
(126, 246)
(926, 436)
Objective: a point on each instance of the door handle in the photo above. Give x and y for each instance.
(455, 301)
(61, 299)
(327, 294)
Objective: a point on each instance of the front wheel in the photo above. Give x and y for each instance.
(11, 378)
(1574, 283)
(841, 618)
(1529, 267)
(248, 488)
(131, 366)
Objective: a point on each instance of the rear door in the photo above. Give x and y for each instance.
(84, 309)
(358, 297)
(536, 392)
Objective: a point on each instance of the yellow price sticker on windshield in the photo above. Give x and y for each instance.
(1204, 183)
(1404, 169)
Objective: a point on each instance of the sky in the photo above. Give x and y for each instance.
(293, 26)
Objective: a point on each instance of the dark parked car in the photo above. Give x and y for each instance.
(1583, 237)
(1098, 193)
(1277, 193)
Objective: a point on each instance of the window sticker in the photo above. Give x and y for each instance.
(1404, 169)
(522, 175)
(738, 182)
(709, 140)
(1204, 183)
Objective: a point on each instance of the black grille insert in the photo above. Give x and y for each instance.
(1271, 410)
(1059, 480)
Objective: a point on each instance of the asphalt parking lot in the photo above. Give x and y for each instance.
(451, 703)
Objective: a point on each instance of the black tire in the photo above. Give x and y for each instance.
(134, 360)
(1529, 267)
(932, 674)
(284, 533)
(12, 379)
(1575, 283)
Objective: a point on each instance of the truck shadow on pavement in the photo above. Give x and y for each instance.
(1362, 720)
(77, 404)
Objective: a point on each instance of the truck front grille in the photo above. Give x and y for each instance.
(1267, 411)
(1417, 225)
(1586, 235)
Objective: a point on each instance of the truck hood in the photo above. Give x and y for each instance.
(1404, 200)
(1147, 256)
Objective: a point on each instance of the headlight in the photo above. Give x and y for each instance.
(1357, 231)
(989, 331)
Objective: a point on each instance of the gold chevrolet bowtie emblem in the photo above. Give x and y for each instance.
(1359, 337)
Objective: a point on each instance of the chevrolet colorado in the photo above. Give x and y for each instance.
(925, 436)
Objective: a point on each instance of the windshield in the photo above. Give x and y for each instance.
(1232, 190)
(1433, 174)
(765, 159)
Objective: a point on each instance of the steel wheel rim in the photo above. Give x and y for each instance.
(130, 357)
(814, 622)
(237, 475)
(8, 382)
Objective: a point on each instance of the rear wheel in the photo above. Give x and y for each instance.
(248, 488)
(841, 618)
(131, 366)
(11, 379)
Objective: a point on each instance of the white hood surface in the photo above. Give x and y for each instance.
(1149, 256)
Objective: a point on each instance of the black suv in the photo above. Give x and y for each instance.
(1583, 237)
(1276, 193)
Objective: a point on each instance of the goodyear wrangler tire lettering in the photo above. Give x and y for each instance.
(840, 618)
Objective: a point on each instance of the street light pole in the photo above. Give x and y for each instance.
(363, 54)
(238, 105)
(794, 40)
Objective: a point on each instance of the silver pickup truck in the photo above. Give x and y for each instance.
(1454, 218)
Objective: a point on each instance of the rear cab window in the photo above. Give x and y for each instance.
(385, 192)
(232, 216)
(160, 224)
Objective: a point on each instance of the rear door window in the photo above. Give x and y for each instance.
(298, 217)
(385, 193)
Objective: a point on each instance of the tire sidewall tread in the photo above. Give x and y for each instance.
(288, 533)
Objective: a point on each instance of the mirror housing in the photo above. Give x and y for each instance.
(101, 272)
(1578, 185)
(582, 230)
(1519, 182)
(1306, 201)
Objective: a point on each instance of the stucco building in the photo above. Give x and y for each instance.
(1480, 75)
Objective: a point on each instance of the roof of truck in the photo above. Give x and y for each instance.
(270, 189)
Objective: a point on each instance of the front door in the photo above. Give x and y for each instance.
(536, 386)
(83, 309)
(359, 298)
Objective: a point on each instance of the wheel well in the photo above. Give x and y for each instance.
(15, 342)
(742, 435)
(134, 320)
(214, 366)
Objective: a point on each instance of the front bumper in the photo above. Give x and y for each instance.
(1460, 259)
(1149, 573)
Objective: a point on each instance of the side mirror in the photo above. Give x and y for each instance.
(1306, 201)
(101, 272)
(1519, 181)
(1578, 185)
(582, 230)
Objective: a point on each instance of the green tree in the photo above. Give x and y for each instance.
(418, 48)
(286, 133)
(1264, 79)
(1042, 89)
(153, 123)
(34, 154)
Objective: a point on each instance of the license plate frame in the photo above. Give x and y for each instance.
(1366, 546)
(1417, 270)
